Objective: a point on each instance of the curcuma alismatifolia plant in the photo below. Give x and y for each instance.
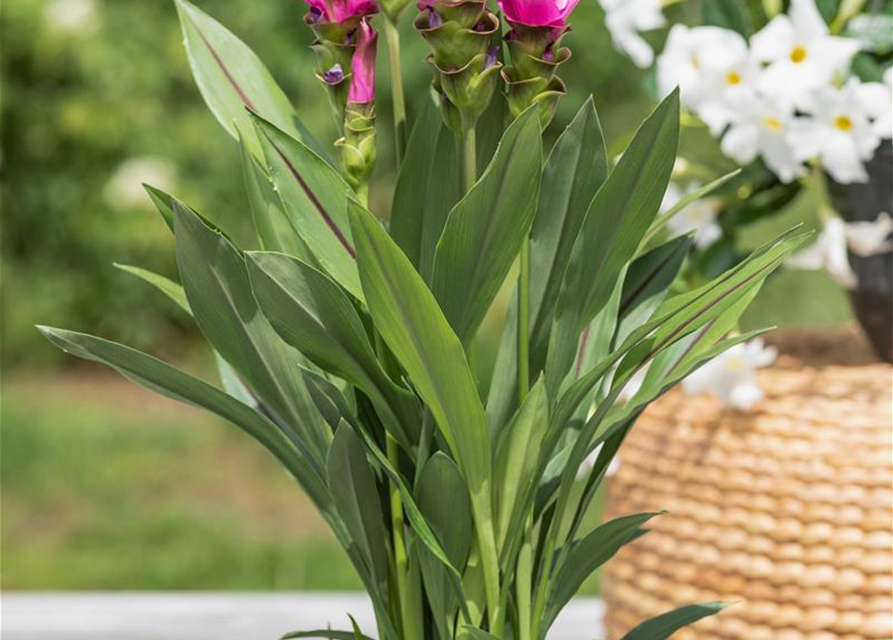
(344, 345)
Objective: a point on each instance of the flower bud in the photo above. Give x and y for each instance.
(463, 57)
(534, 44)
(358, 149)
(336, 24)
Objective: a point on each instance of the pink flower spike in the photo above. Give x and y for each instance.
(362, 82)
(538, 13)
(340, 10)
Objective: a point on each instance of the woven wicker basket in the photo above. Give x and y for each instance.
(787, 509)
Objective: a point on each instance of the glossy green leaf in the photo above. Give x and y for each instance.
(407, 317)
(576, 169)
(354, 490)
(427, 188)
(315, 316)
(585, 556)
(688, 199)
(618, 218)
(273, 229)
(167, 286)
(478, 634)
(215, 279)
(647, 283)
(443, 501)
(485, 230)
(663, 626)
(516, 461)
(329, 634)
(314, 196)
(232, 79)
(164, 379)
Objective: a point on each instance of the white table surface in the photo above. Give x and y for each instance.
(214, 616)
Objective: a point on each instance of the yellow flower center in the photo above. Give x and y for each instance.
(798, 54)
(843, 123)
(733, 78)
(772, 123)
(694, 61)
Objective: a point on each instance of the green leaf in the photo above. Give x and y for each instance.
(647, 282)
(232, 79)
(443, 501)
(273, 229)
(314, 196)
(585, 556)
(164, 379)
(427, 188)
(576, 168)
(312, 314)
(663, 626)
(478, 634)
(728, 14)
(618, 218)
(167, 286)
(485, 230)
(686, 200)
(327, 633)
(410, 322)
(216, 282)
(516, 461)
(412, 325)
(354, 490)
(164, 203)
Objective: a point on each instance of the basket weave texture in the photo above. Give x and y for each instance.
(786, 509)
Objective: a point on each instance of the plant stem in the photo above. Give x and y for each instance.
(524, 322)
(392, 35)
(523, 576)
(468, 157)
(401, 562)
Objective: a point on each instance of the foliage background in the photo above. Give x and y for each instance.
(105, 486)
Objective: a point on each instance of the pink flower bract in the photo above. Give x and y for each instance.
(362, 82)
(538, 13)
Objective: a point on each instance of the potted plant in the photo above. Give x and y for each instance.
(344, 345)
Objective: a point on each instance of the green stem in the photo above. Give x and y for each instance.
(468, 157)
(523, 577)
(401, 562)
(524, 322)
(392, 35)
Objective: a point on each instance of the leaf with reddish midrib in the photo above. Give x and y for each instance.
(232, 78)
(314, 196)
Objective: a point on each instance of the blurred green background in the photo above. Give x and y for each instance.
(106, 486)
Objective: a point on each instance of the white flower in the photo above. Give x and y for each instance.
(709, 65)
(71, 17)
(625, 19)
(124, 190)
(877, 98)
(699, 216)
(838, 131)
(731, 375)
(763, 128)
(828, 252)
(870, 238)
(801, 54)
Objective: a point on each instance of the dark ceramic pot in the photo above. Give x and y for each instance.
(873, 296)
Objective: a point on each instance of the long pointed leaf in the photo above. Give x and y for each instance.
(215, 279)
(663, 626)
(314, 197)
(486, 228)
(618, 218)
(232, 78)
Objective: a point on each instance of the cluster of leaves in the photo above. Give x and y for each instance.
(344, 346)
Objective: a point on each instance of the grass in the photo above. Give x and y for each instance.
(106, 486)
